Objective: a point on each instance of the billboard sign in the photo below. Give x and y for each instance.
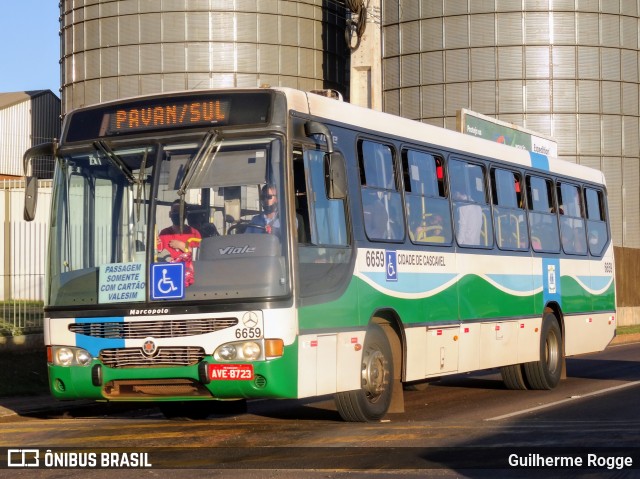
(475, 124)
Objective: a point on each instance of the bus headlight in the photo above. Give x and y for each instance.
(227, 352)
(251, 351)
(63, 357)
(83, 358)
(240, 351)
(70, 356)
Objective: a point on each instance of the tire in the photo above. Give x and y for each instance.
(546, 373)
(513, 377)
(371, 402)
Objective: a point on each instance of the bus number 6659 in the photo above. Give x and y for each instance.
(248, 333)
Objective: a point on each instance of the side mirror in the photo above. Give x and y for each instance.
(30, 197)
(312, 128)
(42, 155)
(335, 176)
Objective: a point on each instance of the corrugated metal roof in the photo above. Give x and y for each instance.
(12, 98)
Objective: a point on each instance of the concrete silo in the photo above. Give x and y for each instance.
(568, 69)
(114, 49)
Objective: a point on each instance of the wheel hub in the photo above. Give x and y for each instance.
(552, 354)
(373, 374)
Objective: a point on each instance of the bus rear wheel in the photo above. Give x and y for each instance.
(546, 373)
(371, 402)
(513, 377)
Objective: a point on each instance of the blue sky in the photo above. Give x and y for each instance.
(29, 46)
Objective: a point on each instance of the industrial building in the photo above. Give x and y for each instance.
(26, 119)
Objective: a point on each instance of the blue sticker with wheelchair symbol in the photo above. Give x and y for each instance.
(167, 280)
(391, 265)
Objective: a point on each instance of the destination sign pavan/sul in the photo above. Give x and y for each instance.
(177, 114)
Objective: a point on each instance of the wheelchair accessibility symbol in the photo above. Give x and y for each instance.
(167, 280)
(391, 265)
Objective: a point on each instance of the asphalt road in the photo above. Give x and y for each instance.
(461, 426)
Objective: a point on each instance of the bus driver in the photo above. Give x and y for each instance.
(269, 220)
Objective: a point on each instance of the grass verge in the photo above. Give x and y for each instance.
(628, 329)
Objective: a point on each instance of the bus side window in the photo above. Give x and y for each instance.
(572, 226)
(543, 223)
(324, 255)
(427, 207)
(323, 219)
(597, 232)
(508, 214)
(301, 199)
(381, 200)
(471, 209)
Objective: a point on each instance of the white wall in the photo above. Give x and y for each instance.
(24, 244)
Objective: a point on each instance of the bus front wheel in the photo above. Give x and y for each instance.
(546, 373)
(371, 402)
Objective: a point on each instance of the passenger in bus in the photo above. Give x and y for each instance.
(573, 239)
(269, 220)
(536, 244)
(199, 219)
(176, 243)
(430, 230)
(508, 237)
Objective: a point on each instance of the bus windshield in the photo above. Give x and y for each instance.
(159, 221)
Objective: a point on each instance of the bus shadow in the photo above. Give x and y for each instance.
(580, 368)
(318, 409)
(488, 379)
(586, 368)
(602, 426)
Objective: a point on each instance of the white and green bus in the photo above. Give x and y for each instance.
(271, 243)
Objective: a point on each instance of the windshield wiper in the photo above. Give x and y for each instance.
(115, 159)
(140, 181)
(209, 141)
